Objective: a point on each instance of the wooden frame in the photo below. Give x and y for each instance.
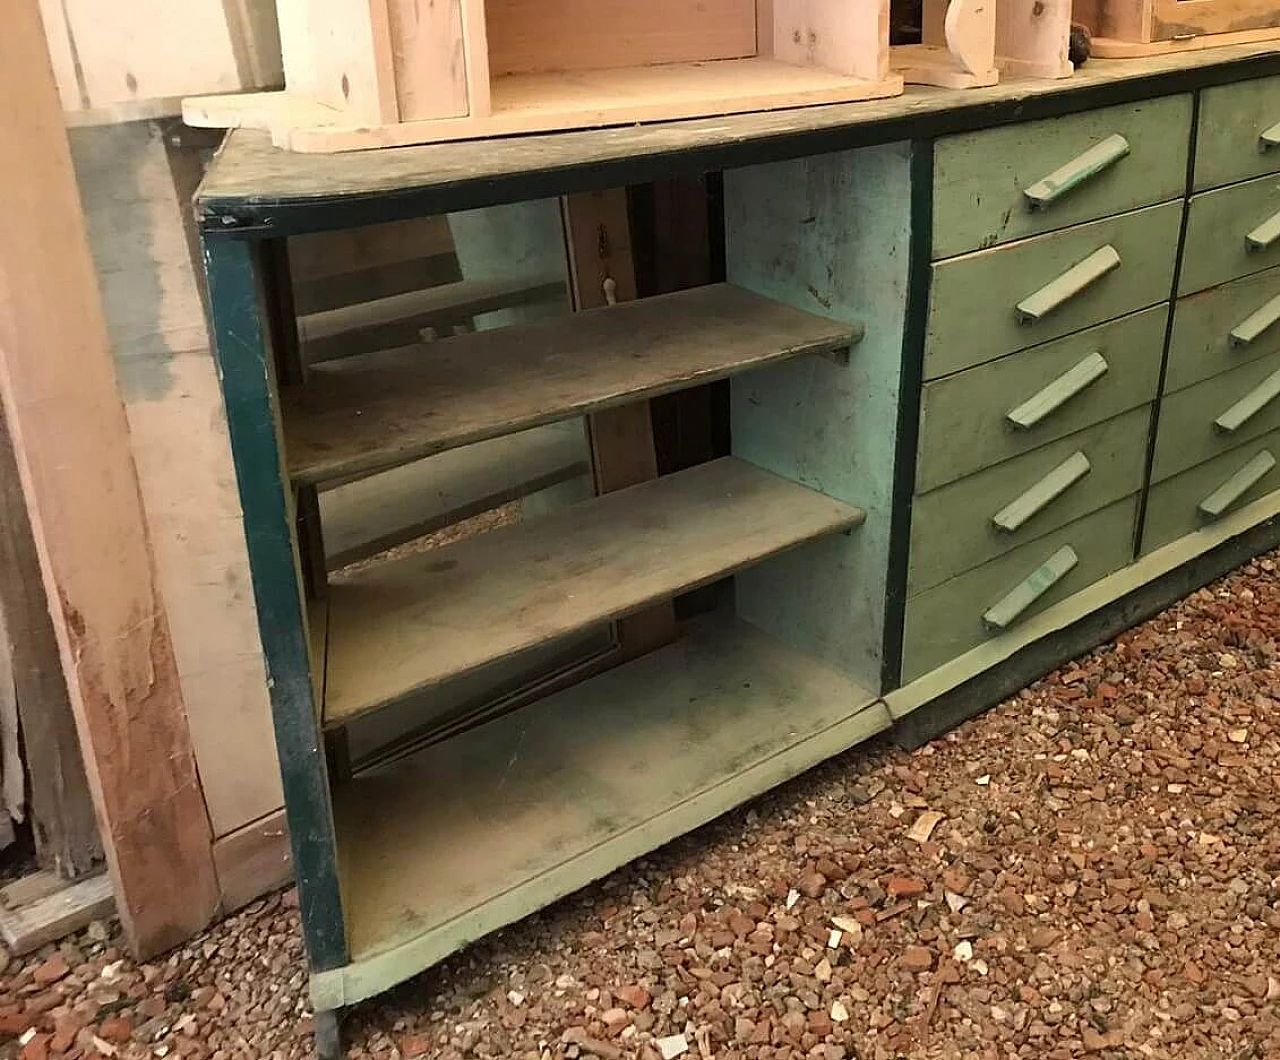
(373, 73)
(1124, 29)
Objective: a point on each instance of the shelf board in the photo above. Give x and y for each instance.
(365, 327)
(547, 101)
(411, 623)
(478, 831)
(380, 410)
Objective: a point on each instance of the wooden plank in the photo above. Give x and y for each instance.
(253, 861)
(365, 413)
(526, 36)
(675, 739)
(1184, 18)
(580, 99)
(134, 183)
(1032, 37)
(414, 622)
(71, 440)
(851, 39)
(399, 319)
(52, 917)
(127, 61)
(61, 808)
(429, 53)
(385, 510)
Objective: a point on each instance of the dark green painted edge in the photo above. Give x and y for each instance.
(1140, 523)
(242, 346)
(911, 380)
(1027, 666)
(232, 216)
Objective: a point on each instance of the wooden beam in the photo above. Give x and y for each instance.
(65, 831)
(71, 442)
(602, 268)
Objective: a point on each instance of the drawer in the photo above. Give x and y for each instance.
(1224, 327)
(1003, 184)
(966, 523)
(994, 599)
(1221, 413)
(1199, 497)
(1239, 135)
(992, 302)
(991, 413)
(1231, 232)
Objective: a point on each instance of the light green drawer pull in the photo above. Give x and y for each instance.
(1059, 392)
(1004, 614)
(1265, 234)
(1014, 515)
(1237, 485)
(1248, 330)
(1099, 157)
(1076, 279)
(1270, 137)
(1250, 405)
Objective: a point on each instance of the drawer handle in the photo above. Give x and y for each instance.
(1250, 405)
(1014, 515)
(1099, 157)
(1248, 330)
(1265, 234)
(1004, 614)
(1270, 137)
(1059, 392)
(1237, 485)
(1071, 283)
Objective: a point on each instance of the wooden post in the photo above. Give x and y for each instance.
(71, 442)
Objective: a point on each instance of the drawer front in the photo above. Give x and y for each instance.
(969, 522)
(1196, 499)
(961, 614)
(1231, 232)
(1220, 414)
(1239, 135)
(994, 412)
(993, 302)
(1224, 327)
(1003, 184)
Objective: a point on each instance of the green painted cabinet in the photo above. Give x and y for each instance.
(1239, 132)
(1223, 328)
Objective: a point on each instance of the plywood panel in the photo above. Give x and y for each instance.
(542, 35)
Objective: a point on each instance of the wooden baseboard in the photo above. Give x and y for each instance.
(253, 861)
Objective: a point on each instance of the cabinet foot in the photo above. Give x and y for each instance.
(329, 1035)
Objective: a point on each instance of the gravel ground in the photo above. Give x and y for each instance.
(1092, 869)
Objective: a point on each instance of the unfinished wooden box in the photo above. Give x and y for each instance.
(967, 43)
(1128, 28)
(382, 73)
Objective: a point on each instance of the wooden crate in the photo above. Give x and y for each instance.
(1128, 28)
(382, 73)
(969, 43)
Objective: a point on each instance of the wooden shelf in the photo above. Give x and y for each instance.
(379, 410)
(365, 327)
(474, 833)
(544, 102)
(410, 623)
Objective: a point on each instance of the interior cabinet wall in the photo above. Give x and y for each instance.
(803, 232)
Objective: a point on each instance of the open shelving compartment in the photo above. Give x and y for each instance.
(495, 819)
(381, 73)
